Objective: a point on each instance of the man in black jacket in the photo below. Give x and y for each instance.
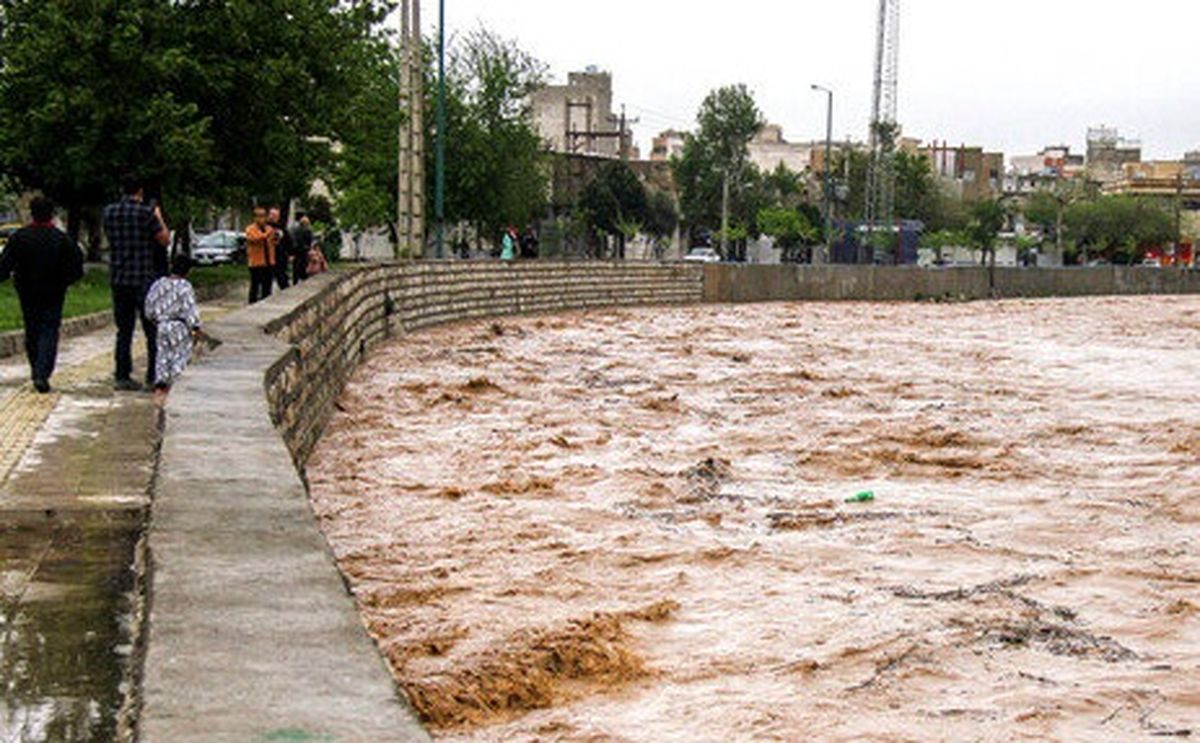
(44, 262)
(302, 242)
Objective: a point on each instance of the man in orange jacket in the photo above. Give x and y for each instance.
(260, 255)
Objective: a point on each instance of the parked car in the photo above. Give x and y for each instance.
(702, 255)
(223, 246)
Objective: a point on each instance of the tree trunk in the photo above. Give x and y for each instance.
(74, 222)
(94, 243)
(725, 215)
(1058, 230)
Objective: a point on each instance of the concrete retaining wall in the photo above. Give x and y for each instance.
(330, 333)
(758, 283)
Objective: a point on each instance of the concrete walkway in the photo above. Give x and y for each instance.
(252, 634)
(76, 467)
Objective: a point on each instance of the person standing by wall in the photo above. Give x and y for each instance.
(302, 242)
(529, 243)
(137, 236)
(260, 255)
(508, 244)
(43, 262)
(283, 246)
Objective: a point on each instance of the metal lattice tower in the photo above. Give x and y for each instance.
(881, 173)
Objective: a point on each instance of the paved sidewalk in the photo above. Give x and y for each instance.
(76, 467)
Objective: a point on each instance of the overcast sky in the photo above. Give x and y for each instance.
(1012, 75)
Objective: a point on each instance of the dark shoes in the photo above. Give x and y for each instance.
(41, 385)
(127, 385)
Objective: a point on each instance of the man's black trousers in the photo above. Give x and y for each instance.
(261, 279)
(129, 304)
(43, 318)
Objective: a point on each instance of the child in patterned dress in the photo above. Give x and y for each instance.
(171, 304)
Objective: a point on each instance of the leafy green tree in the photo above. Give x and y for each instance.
(1119, 228)
(279, 81)
(90, 89)
(1041, 209)
(1047, 208)
(715, 163)
(939, 240)
(616, 203)
(215, 102)
(662, 218)
(363, 175)
(496, 172)
(791, 229)
(988, 218)
(919, 195)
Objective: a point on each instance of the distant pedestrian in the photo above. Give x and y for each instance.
(302, 243)
(316, 263)
(43, 262)
(529, 243)
(171, 304)
(283, 246)
(260, 255)
(508, 244)
(137, 236)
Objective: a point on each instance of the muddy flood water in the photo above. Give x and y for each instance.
(632, 525)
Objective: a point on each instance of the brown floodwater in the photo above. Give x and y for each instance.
(632, 525)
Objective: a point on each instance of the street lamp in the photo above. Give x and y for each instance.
(828, 171)
(439, 198)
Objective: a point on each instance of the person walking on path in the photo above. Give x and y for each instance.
(43, 262)
(283, 246)
(137, 237)
(302, 241)
(171, 304)
(508, 244)
(260, 255)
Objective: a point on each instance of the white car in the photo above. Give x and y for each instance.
(224, 246)
(702, 255)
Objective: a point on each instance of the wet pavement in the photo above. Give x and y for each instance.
(76, 468)
(633, 525)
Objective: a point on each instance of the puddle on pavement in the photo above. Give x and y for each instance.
(64, 635)
(632, 525)
(71, 516)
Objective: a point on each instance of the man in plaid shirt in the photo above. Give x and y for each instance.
(136, 235)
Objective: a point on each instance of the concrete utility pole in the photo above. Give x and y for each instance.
(828, 171)
(410, 206)
(403, 192)
(440, 175)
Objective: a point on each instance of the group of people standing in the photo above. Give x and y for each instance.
(147, 286)
(271, 249)
(515, 245)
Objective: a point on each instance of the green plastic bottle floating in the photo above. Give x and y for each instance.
(864, 497)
